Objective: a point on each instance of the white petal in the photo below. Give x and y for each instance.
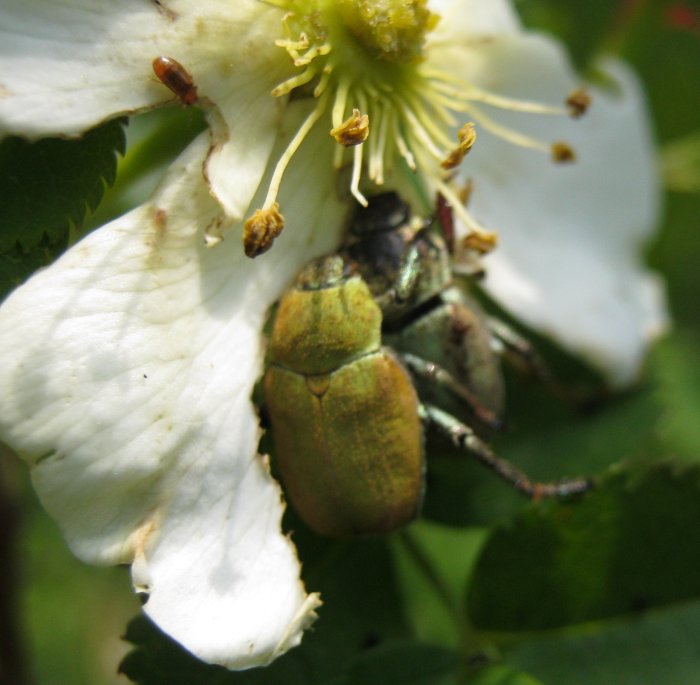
(66, 65)
(467, 20)
(128, 367)
(237, 64)
(244, 128)
(569, 261)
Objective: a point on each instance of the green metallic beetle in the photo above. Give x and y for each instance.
(441, 334)
(344, 408)
(344, 412)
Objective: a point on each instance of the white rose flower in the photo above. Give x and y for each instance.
(127, 366)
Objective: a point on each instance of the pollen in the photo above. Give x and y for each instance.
(482, 242)
(466, 137)
(392, 30)
(260, 231)
(353, 131)
(578, 102)
(562, 153)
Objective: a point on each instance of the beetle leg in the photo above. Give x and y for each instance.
(434, 373)
(521, 353)
(464, 437)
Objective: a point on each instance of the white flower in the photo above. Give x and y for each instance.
(128, 366)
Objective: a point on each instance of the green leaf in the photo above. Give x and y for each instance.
(681, 164)
(502, 675)
(154, 140)
(16, 263)
(547, 441)
(676, 255)
(623, 548)
(433, 563)
(404, 663)
(676, 361)
(159, 660)
(656, 648)
(668, 59)
(49, 184)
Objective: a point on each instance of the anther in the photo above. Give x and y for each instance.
(563, 153)
(578, 102)
(465, 192)
(466, 137)
(260, 231)
(482, 242)
(353, 131)
(478, 239)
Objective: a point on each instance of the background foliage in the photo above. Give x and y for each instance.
(485, 590)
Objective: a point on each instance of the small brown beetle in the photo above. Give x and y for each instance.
(173, 75)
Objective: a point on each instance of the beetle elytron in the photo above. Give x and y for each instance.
(344, 408)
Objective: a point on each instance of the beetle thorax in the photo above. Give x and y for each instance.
(315, 333)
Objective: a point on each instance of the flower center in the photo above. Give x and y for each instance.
(365, 63)
(392, 30)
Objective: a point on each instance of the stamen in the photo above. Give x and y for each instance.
(341, 97)
(295, 81)
(378, 146)
(447, 84)
(420, 102)
(404, 150)
(465, 192)
(578, 102)
(422, 134)
(293, 146)
(508, 134)
(323, 80)
(294, 45)
(434, 131)
(356, 174)
(353, 131)
(260, 231)
(562, 153)
(472, 94)
(361, 100)
(413, 111)
(338, 151)
(483, 243)
(312, 54)
(436, 76)
(466, 137)
(479, 238)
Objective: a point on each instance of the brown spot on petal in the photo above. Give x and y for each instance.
(164, 10)
(160, 221)
(156, 234)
